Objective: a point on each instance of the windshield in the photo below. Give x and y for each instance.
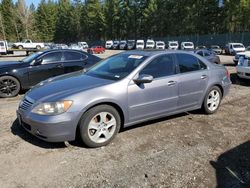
(188, 44)
(160, 44)
(116, 67)
(172, 44)
(140, 43)
(31, 57)
(150, 43)
(238, 46)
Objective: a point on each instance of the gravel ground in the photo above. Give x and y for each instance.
(185, 150)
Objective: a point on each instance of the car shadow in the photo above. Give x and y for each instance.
(18, 130)
(233, 167)
(239, 81)
(229, 64)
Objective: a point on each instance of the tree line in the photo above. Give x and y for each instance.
(85, 20)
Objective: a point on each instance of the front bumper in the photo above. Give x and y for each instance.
(243, 72)
(57, 128)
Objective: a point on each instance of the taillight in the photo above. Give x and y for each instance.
(227, 73)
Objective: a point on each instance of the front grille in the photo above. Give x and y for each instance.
(25, 104)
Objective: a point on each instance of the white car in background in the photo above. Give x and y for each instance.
(123, 45)
(84, 45)
(187, 46)
(160, 45)
(234, 48)
(239, 54)
(140, 44)
(150, 44)
(243, 67)
(28, 44)
(75, 47)
(173, 45)
(109, 44)
(3, 47)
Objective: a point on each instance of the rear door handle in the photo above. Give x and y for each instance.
(203, 77)
(171, 83)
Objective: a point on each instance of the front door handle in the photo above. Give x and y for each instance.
(203, 77)
(171, 83)
(60, 66)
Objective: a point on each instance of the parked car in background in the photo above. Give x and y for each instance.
(28, 44)
(84, 45)
(150, 44)
(216, 49)
(109, 44)
(22, 75)
(187, 46)
(160, 45)
(173, 45)
(243, 67)
(234, 48)
(96, 50)
(120, 91)
(209, 55)
(140, 44)
(123, 45)
(75, 47)
(60, 46)
(131, 44)
(3, 47)
(116, 45)
(241, 54)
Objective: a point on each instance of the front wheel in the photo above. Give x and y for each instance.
(212, 100)
(9, 86)
(38, 47)
(99, 125)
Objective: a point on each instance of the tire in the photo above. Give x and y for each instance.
(101, 132)
(20, 47)
(212, 100)
(9, 86)
(38, 47)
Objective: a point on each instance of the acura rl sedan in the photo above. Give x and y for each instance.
(121, 91)
(24, 74)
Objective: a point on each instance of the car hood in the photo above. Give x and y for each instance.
(9, 64)
(65, 85)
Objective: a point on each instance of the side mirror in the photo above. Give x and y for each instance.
(38, 61)
(143, 78)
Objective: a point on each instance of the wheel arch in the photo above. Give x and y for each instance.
(113, 104)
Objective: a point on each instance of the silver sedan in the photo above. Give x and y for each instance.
(121, 91)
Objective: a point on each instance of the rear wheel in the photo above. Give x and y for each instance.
(212, 100)
(99, 125)
(9, 86)
(20, 47)
(38, 47)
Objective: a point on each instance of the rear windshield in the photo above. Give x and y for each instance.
(238, 46)
(1, 44)
(150, 43)
(140, 43)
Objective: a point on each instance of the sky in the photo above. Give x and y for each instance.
(29, 2)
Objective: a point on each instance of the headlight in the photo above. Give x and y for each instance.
(52, 108)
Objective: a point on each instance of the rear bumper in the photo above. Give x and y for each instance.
(243, 72)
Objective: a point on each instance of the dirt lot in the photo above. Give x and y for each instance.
(186, 150)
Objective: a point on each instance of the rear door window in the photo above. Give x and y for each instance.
(189, 63)
(74, 56)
